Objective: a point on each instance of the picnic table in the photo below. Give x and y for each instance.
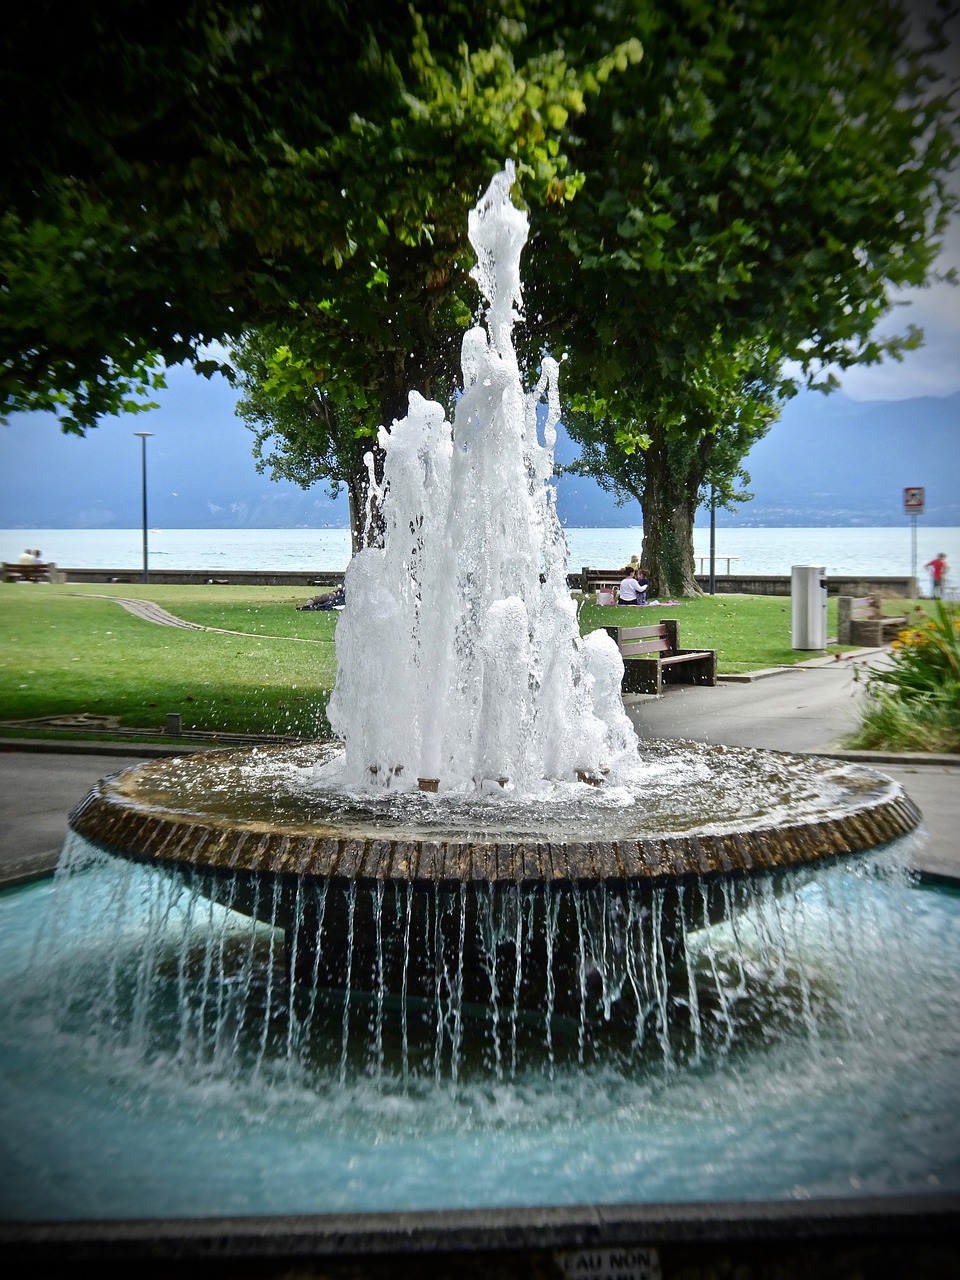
(706, 560)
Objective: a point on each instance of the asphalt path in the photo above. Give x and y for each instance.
(38, 790)
(805, 709)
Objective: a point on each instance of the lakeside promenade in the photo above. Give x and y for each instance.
(900, 587)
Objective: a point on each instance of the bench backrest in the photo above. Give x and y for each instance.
(27, 570)
(591, 578)
(661, 637)
(866, 608)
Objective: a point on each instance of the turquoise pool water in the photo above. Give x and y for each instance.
(844, 1082)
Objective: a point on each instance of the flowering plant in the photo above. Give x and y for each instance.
(913, 701)
(925, 659)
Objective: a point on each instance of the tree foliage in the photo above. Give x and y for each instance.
(177, 180)
(391, 319)
(307, 438)
(754, 190)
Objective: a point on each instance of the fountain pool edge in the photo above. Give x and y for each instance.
(914, 1235)
(175, 812)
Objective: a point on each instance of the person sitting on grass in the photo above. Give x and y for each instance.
(630, 591)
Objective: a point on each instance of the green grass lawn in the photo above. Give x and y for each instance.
(61, 653)
(748, 632)
(64, 651)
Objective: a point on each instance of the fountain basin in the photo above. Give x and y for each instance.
(856, 1102)
(577, 904)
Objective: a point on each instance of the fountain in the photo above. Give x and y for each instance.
(485, 897)
(490, 825)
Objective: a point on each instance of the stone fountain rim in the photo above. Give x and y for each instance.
(112, 820)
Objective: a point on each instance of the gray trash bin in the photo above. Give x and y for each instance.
(808, 606)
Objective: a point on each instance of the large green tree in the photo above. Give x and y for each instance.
(390, 321)
(174, 179)
(755, 189)
(739, 398)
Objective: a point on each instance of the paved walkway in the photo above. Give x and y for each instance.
(150, 612)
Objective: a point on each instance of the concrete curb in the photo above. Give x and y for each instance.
(907, 758)
(855, 657)
(83, 748)
(113, 748)
(523, 1242)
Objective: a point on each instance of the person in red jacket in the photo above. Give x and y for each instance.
(938, 571)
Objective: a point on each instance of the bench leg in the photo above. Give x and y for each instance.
(642, 675)
(867, 632)
(697, 671)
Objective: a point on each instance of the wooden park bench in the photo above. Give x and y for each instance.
(652, 657)
(27, 572)
(861, 620)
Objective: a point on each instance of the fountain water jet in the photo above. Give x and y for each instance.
(459, 658)
(490, 839)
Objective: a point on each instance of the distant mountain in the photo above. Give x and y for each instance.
(829, 461)
(200, 470)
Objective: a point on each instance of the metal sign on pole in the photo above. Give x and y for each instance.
(913, 505)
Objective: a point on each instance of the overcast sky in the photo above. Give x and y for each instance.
(934, 370)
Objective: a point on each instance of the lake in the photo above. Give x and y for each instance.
(876, 551)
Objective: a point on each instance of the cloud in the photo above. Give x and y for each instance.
(932, 370)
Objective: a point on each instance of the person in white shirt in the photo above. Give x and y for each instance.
(630, 591)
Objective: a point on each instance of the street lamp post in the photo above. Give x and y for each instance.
(713, 542)
(144, 436)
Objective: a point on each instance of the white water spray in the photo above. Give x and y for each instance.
(459, 657)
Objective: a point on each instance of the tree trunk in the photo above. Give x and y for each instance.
(393, 405)
(364, 533)
(669, 504)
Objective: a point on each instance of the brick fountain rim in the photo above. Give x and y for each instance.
(778, 812)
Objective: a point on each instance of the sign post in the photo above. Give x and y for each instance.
(913, 504)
